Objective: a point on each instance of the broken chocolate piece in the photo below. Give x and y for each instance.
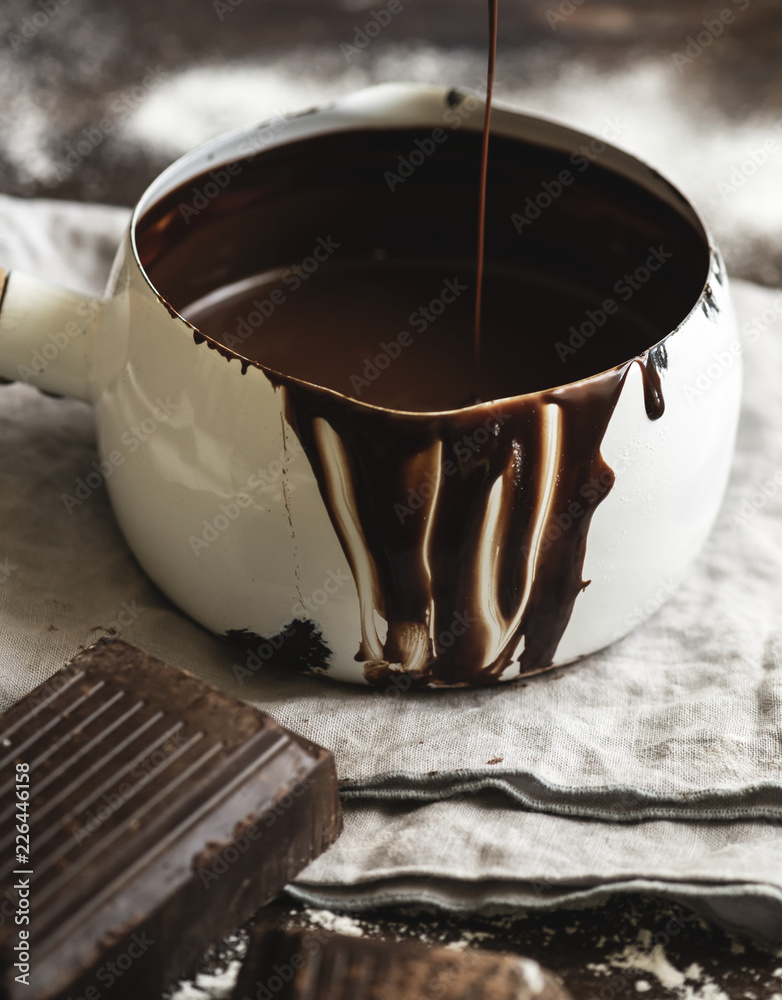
(161, 814)
(310, 964)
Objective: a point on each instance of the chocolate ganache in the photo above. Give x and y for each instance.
(353, 287)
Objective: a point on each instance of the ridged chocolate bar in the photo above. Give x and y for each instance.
(313, 965)
(162, 814)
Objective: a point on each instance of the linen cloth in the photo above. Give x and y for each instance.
(654, 765)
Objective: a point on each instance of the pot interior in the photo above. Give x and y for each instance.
(352, 237)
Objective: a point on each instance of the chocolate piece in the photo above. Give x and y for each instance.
(162, 814)
(312, 965)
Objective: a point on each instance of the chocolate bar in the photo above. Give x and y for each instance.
(310, 964)
(145, 815)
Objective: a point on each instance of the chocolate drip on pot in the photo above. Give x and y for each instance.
(465, 532)
(224, 352)
(652, 362)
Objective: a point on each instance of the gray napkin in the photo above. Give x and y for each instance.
(654, 765)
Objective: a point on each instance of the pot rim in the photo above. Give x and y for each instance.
(406, 104)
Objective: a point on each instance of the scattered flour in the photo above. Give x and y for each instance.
(472, 937)
(334, 922)
(341, 924)
(654, 961)
(691, 984)
(707, 991)
(219, 985)
(210, 987)
(467, 939)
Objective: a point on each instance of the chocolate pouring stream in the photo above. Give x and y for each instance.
(482, 193)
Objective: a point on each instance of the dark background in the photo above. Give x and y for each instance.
(65, 71)
(166, 74)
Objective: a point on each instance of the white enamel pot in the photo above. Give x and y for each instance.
(249, 522)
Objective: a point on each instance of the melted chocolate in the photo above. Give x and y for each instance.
(387, 360)
(465, 530)
(492, 56)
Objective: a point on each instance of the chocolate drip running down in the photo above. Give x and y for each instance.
(473, 575)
